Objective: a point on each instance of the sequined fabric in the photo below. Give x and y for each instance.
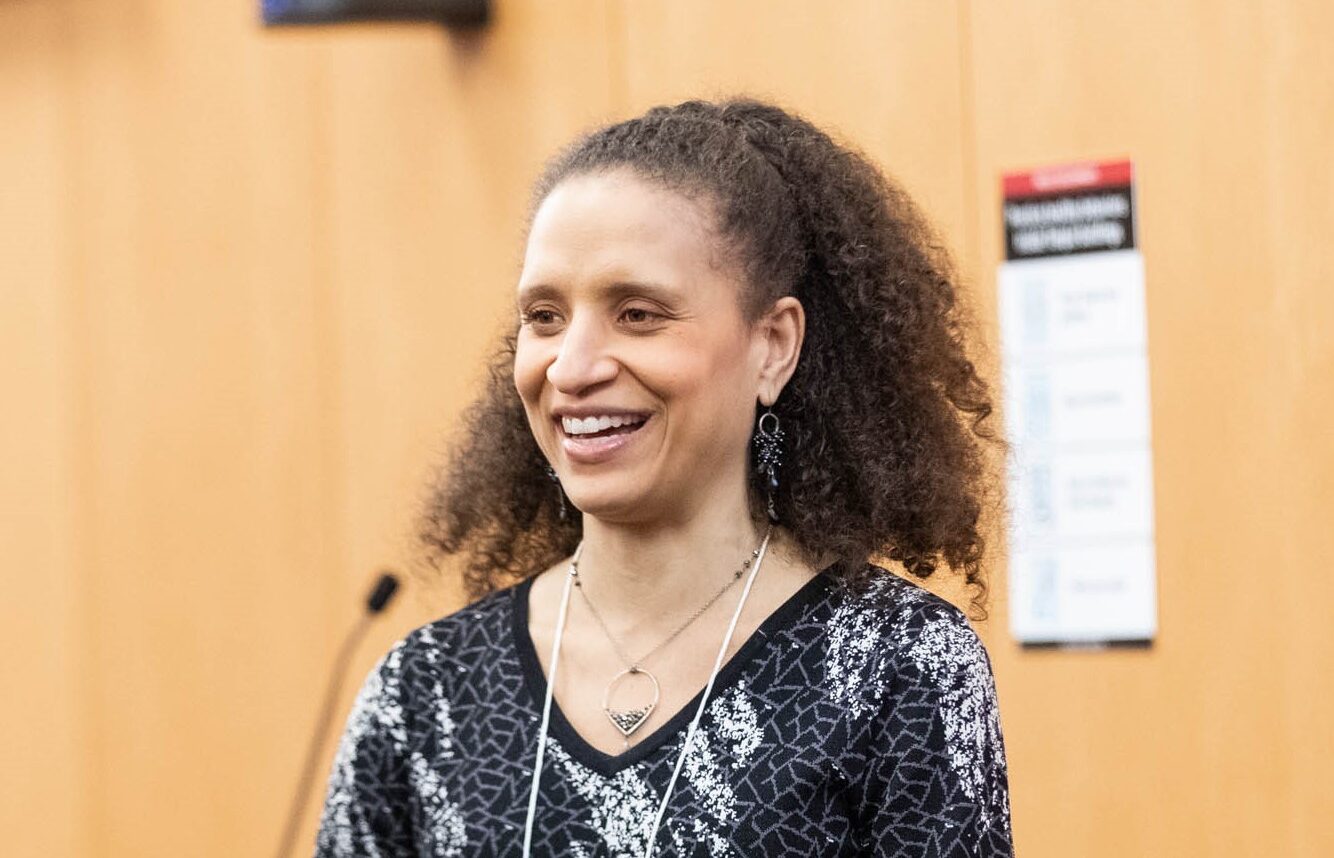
(848, 724)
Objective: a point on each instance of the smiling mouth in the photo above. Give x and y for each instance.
(592, 448)
(614, 430)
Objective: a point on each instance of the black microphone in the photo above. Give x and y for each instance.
(384, 590)
(380, 596)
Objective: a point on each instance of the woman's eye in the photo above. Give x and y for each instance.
(537, 317)
(636, 315)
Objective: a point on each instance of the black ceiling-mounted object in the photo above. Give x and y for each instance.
(452, 13)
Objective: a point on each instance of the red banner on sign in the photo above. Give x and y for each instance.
(1090, 175)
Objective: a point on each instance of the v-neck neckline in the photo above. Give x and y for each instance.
(535, 679)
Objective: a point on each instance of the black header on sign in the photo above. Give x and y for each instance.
(1065, 224)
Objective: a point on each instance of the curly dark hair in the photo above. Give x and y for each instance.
(884, 413)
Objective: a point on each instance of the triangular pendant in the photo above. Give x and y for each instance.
(627, 721)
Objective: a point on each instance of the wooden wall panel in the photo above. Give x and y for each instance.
(211, 490)
(1214, 742)
(44, 783)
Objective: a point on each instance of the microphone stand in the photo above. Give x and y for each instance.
(380, 596)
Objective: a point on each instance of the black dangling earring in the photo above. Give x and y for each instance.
(769, 449)
(560, 492)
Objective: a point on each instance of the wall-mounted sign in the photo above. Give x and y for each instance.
(1076, 397)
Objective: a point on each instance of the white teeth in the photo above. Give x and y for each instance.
(575, 426)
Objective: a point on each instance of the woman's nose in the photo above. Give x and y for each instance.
(583, 359)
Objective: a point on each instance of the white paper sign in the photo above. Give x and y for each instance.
(1076, 398)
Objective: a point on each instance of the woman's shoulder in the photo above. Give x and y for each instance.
(461, 638)
(927, 742)
(887, 634)
(886, 603)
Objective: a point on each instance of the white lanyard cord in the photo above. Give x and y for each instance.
(699, 713)
(546, 704)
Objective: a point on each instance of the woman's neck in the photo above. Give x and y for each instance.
(641, 570)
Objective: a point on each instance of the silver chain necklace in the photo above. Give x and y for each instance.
(627, 721)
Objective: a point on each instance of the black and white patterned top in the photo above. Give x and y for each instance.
(847, 724)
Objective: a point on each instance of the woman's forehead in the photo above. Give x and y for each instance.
(617, 225)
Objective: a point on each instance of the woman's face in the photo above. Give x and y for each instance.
(628, 313)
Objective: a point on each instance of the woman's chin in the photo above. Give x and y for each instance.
(611, 506)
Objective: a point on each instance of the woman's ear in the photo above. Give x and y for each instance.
(783, 329)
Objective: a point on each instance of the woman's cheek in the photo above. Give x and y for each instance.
(528, 374)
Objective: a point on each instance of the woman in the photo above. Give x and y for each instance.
(738, 375)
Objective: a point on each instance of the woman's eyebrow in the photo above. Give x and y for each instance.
(614, 289)
(626, 288)
(535, 292)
